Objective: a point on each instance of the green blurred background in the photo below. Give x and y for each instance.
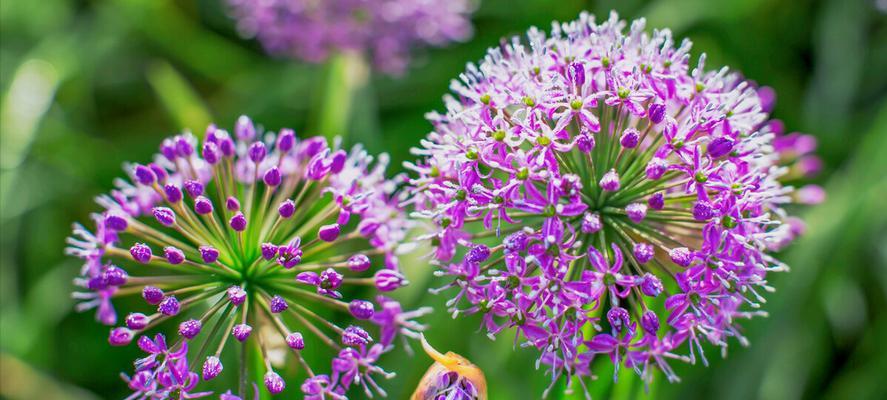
(89, 84)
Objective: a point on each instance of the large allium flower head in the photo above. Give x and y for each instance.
(260, 237)
(386, 30)
(599, 194)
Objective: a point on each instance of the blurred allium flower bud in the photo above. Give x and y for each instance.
(605, 175)
(450, 377)
(385, 30)
(220, 265)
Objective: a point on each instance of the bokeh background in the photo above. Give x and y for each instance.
(88, 84)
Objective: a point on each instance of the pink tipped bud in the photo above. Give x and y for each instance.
(295, 341)
(212, 367)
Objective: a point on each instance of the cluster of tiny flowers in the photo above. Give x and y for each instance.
(384, 29)
(605, 199)
(244, 237)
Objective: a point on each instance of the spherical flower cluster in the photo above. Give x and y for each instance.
(606, 200)
(384, 29)
(244, 237)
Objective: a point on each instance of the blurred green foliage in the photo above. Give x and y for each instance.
(87, 85)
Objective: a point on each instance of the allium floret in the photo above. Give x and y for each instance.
(386, 30)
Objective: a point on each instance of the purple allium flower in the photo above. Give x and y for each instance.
(386, 30)
(173, 255)
(683, 190)
(220, 283)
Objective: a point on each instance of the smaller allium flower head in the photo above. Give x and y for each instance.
(450, 377)
(577, 181)
(238, 242)
(385, 30)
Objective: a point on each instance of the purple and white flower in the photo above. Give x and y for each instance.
(222, 242)
(603, 175)
(385, 30)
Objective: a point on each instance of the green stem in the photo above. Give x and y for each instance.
(345, 74)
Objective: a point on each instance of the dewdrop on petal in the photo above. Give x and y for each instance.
(450, 377)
